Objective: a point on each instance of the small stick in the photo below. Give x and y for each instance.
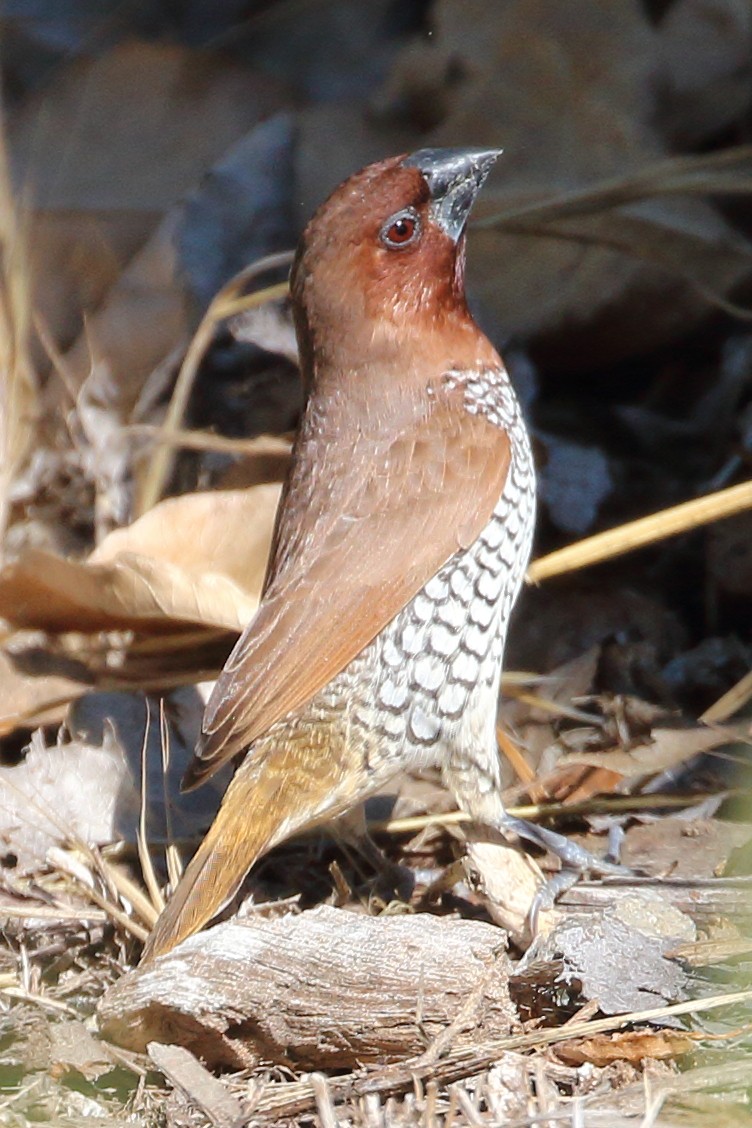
(646, 530)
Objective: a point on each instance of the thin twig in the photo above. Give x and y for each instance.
(602, 804)
(142, 842)
(642, 532)
(730, 702)
(296, 1098)
(159, 468)
(675, 176)
(174, 864)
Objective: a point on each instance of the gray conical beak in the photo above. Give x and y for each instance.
(454, 178)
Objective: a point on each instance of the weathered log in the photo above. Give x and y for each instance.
(324, 989)
(701, 898)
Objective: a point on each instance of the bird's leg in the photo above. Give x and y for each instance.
(574, 858)
(477, 786)
(393, 878)
(576, 862)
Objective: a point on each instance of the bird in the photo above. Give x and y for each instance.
(402, 537)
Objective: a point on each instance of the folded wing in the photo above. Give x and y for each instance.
(351, 549)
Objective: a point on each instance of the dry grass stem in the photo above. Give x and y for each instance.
(18, 400)
(199, 440)
(598, 805)
(642, 532)
(39, 1000)
(229, 307)
(117, 915)
(142, 842)
(296, 1097)
(730, 702)
(555, 708)
(728, 172)
(514, 755)
(159, 467)
(129, 891)
(172, 857)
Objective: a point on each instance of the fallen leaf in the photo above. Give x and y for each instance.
(31, 701)
(142, 320)
(572, 483)
(241, 211)
(613, 961)
(666, 748)
(98, 190)
(508, 880)
(615, 279)
(634, 1046)
(199, 558)
(74, 259)
(706, 53)
(53, 794)
(185, 108)
(74, 1049)
(729, 553)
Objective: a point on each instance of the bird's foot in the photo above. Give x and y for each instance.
(577, 862)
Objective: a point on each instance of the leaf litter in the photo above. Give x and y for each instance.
(144, 178)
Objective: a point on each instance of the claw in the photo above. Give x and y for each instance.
(546, 896)
(573, 857)
(575, 860)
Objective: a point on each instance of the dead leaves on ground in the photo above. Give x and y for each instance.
(197, 559)
(634, 1046)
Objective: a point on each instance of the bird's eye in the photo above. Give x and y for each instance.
(401, 230)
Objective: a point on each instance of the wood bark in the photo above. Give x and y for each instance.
(325, 989)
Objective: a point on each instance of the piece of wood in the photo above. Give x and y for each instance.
(700, 898)
(219, 1105)
(288, 1099)
(325, 989)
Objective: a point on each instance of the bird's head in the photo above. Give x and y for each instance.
(382, 260)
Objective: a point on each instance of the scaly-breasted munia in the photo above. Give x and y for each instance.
(401, 540)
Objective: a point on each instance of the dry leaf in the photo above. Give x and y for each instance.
(75, 1050)
(572, 483)
(100, 201)
(74, 258)
(143, 318)
(74, 789)
(609, 282)
(634, 1046)
(667, 748)
(619, 963)
(199, 558)
(241, 211)
(706, 52)
(509, 881)
(185, 108)
(31, 701)
(729, 554)
(573, 783)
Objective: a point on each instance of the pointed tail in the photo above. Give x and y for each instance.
(255, 815)
(211, 879)
(270, 798)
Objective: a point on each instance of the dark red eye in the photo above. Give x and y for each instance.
(401, 230)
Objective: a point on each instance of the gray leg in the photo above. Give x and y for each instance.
(573, 857)
(476, 786)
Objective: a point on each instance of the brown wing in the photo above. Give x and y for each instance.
(365, 521)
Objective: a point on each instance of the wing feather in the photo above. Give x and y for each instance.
(365, 521)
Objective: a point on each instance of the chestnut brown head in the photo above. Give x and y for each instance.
(386, 249)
